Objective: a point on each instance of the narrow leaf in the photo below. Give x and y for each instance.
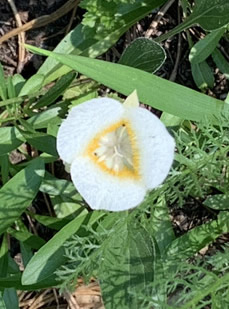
(203, 48)
(51, 255)
(18, 193)
(152, 90)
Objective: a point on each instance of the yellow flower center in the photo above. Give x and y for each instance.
(115, 150)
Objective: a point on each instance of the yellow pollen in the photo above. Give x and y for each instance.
(125, 171)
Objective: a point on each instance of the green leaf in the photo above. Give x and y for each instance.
(43, 119)
(202, 75)
(209, 14)
(161, 224)
(53, 93)
(143, 54)
(51, 255)
(18, 82)
(18, 193)
(128, 266)
(3, 87)
(32, 85)
(152, 90)
(80, 43)
(10, 139)
(15, 282)
(2, 303)
(4, 256)
(4, 162)
(218, 202)
(10, 298)
(42, 141)
(52, 222)
(33, 241)
(221, 62)
(203, 48)
(11, 88)
(190, 243)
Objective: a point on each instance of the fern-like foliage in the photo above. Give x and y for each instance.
(128, 253)
(102, 16)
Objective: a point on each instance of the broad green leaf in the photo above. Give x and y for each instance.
(190, 243)
(10, 139)
(43, 119)
(128, 266)
(152, 90)
(32, 85)
(203, 48)
(202, 75)
(209, 14)
(80, 43)
(51, 255)
(3, 87)
(10, 298)
(54, 186)
(53, 93)
(42, 141)
(18, 193)
(221, 62)
(66, 201)
(218, 202)
(143, 54)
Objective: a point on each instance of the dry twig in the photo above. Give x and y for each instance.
(157, 19)
(21, 36)
(42, 20)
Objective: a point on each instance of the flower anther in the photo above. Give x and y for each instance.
(116, 152)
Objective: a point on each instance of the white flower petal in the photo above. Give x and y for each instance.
(156, 146)
(102, 190)
(83, 122)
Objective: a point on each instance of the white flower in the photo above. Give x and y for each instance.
(117, 152)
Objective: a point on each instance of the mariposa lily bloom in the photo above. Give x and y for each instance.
(117, 152)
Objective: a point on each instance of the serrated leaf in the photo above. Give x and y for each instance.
(152, 90)
(143, 54)
(203, 48)
(18, 193)
(51, 255)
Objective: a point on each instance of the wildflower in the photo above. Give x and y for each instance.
(117, 152)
